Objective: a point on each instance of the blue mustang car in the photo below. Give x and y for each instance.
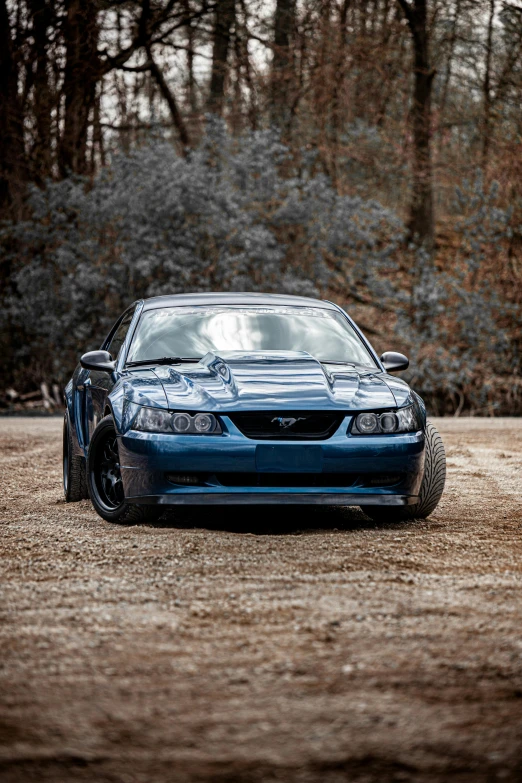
(246, 398)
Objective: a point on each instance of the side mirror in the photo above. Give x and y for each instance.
(98, 360)
(393, 362)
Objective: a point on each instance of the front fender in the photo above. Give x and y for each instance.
(114, 405)
(422, 407)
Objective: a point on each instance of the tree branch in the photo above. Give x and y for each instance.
(409, 14)
(165, 90)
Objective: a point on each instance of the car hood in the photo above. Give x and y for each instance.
(263, 380)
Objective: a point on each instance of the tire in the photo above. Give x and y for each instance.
(74, 470)
(105, 482)
(431, 489)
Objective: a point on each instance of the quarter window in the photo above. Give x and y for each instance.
(120, 334)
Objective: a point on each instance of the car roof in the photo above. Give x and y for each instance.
(235, 298)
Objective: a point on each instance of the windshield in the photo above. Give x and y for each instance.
(190, 332)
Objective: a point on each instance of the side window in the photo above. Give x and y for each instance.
(120, 334)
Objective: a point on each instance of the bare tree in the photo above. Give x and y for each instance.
(81, 74)
(486, 87)
(42, 16)
(339, 69)
(177, 117)
(450, 57)
(191, 80)
(13, 163)
(421, 220)
(224, 22)
(282, 62)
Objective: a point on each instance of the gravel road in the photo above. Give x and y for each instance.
(290, 644)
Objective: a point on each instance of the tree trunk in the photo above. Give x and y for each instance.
(421, 221)
(97, 136)
(339, 72)
(449, 63)
(225, 17)
(191, 81)
(42, 18)
(486, 130)
(282, 63)
(13, 163)
(251, 86)
(82, 72)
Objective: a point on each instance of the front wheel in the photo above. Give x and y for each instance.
(105, 481)
(431, 489)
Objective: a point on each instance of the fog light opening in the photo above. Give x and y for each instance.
(382, 479)
(183, 479)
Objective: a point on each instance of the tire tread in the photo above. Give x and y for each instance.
(434, 479)
(431, 489)
(77, 484)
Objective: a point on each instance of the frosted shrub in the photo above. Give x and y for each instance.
(225, 218)
(243, 214)
(463, 325)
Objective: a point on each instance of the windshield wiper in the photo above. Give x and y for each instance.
(164, 360)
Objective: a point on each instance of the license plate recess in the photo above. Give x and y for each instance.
(289, 458)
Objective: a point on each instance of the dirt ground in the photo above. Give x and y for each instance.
(278, 645)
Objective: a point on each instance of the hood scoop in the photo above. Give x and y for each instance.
(271, 381)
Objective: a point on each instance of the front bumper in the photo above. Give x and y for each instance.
(147, 458)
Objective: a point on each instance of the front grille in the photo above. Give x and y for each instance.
(288, 425)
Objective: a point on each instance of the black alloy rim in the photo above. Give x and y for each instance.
(108, 474)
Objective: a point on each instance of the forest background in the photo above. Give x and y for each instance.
(365, 151)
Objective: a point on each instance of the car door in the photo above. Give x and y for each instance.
(100, 383)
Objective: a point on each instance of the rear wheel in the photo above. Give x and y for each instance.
(105, 481)
(74, 472)
(431, 488)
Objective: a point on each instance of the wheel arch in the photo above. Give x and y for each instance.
(68, 396)
(422, 407)
(115, 405)
(109, 410)
(72, 411)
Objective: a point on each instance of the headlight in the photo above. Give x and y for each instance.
(181, 422)
(400, 420)
(409, 419)
(154, 420)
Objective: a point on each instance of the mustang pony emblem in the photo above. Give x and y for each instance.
(284, 423)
